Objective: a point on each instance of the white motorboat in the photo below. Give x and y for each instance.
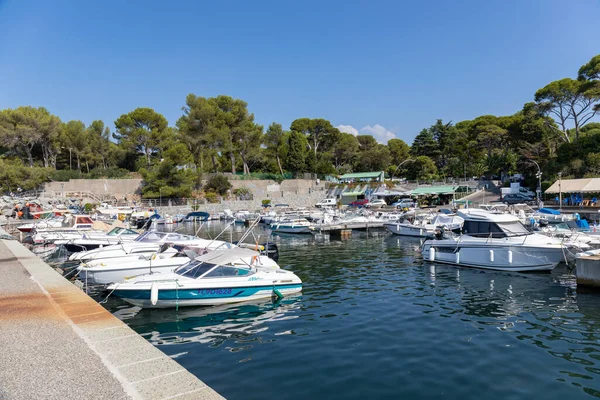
(424, 224)
(55, 221)
(72, 227)
(116, 270)
(93, 241)
(148, 243)
(219, 277)
(498, 242)
(292, 225)
(106, 271)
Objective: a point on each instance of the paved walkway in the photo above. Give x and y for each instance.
(58, 343)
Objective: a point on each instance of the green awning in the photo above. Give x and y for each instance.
(362, 175)
(433, 190)
(353, 193)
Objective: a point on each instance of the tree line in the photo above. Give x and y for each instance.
(219, 134)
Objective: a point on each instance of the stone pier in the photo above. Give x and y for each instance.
(58, 343)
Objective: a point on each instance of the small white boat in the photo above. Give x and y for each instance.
(424, 225)
(292, 225)
(219, 277)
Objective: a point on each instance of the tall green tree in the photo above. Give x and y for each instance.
(297, 151)
(424, 144)
(248, 138)
(399, 150)
(142, 130)
(568, 100)
(345, 152)
(590, 70)
(172, 176)
(318, 131)
(76, 140)
(276, 143)
(23, 128)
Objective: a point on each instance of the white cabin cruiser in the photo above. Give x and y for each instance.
(219, 277)
(498, 242)
(424, 225)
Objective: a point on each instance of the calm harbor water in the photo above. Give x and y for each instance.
(373, 323)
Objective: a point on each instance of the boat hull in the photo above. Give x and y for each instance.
(500, 258)
(203, 296)
(106, 277)
(409, 230)
(290, 229)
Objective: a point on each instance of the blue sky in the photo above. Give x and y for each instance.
(389, 68)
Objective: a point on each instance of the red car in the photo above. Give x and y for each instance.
(359, 203)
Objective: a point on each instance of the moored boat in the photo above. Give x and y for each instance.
(495, 241)
(219, 277)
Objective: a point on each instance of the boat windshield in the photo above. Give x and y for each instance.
(194, 269)
(494, 229)
(150, 236)
(223, 271)
(515, 228)
(176, 237)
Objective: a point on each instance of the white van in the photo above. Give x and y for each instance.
(326, 203)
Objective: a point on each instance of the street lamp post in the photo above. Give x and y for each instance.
(160, 196)
(539, 176)
(559, 191)
(399, 165)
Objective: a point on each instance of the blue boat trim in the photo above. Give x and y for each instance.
(191, 294)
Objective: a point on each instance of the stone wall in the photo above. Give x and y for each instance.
(102, 187)
(292, 199)
(117, 188)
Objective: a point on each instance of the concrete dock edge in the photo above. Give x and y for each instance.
(38, 304)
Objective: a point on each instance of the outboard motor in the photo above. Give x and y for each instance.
(439, 232)
(270, 250)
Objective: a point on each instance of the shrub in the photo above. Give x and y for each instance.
(219, 184)
(211, 197)
(243, 193)
(88, 207)
(266, 202)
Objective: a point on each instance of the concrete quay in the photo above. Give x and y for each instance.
(58, 343)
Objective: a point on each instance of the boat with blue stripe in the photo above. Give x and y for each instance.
(219, 277)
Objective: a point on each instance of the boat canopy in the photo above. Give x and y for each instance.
(198, 214)
(227, 256)
(549, 211)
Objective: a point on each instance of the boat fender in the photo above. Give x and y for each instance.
(491, 255)
(510, 256)
(457, 257)
(431, 254)
(154, 293)
(277, 293)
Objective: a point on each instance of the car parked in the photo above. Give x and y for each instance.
(376, 203)
(404, 203)
(330, 202)
(359, 203)
(516, 198)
